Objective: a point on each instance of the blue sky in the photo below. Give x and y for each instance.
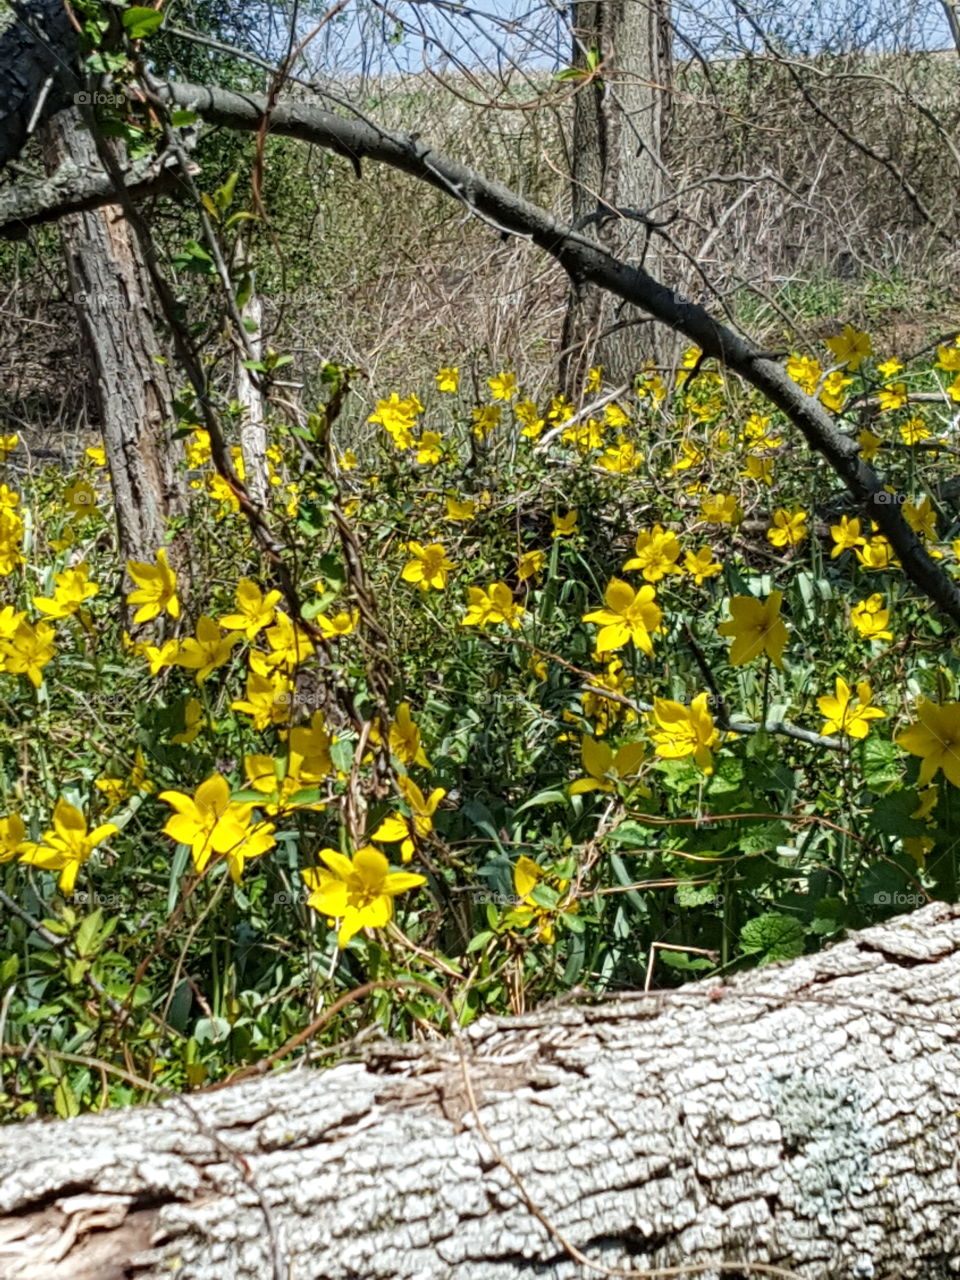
(493, 34)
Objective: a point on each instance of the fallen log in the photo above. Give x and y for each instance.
(799, 1120)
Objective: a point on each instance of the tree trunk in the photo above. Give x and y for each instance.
(132, 390)
(802, 1117)
(617, 170)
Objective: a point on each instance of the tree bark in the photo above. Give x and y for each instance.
(617, 173)
(802, 1117)
(132, 390)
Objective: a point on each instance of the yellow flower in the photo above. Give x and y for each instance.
(850, 347)
(528, 416)
(397, 827)
(457, 510)
(254, 609)
(657, 553)
(310, 748)
(347, 460)
(494, 605)
(68, 846)
(28, 651)
(622, 458)
(935, 737)
(12, 834)
(805, 372)
(429, 566)
(756, 628)
(358, 892)
(629, 615)
(720, 508)
(503, 386)
(889, 368)
(843, 715)
(876, 554)
(405, 738)
(691, 455)
(7, 445)
(158, 657)
(702, 565)
(8, 497)
(341, 624)
(398, 418)
(526, 876)
(97, 455)
(210, 823)
(604, 767)
(678, 731)
(789, 528)
(530, 564)
(289, 643)
(269, 697)
(756, 432)
(604, 711)
(914, 430)
(485, 419)
(833, 392)
(871, 619)
(921, 517)
(192, 722)
(72, 589)
(428, 448)
(157, 588)
(563, 526)
(869, 444)
(948, 357)
(594, 380)
(846, 536)
(448, 379)
(759, 469)
(206, 650)
(892, 396)
(587, 436)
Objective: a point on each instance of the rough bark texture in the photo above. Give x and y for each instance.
(803, 1117)
(618, 174)
(38, 52)
(118, 338)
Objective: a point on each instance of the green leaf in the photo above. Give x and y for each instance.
(479, 941)
(181, 118)
(223, 196)
(630, 835)
(695, 895)
(772, 937)
(882, 766)
(890, 815)
(65, 1100)
(87, 933)
(761, 837)
(139, 22)
(686, 964)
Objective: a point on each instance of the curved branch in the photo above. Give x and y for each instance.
(585, 260)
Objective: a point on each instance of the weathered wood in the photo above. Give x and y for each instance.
(133, 393)
(802, 1117)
